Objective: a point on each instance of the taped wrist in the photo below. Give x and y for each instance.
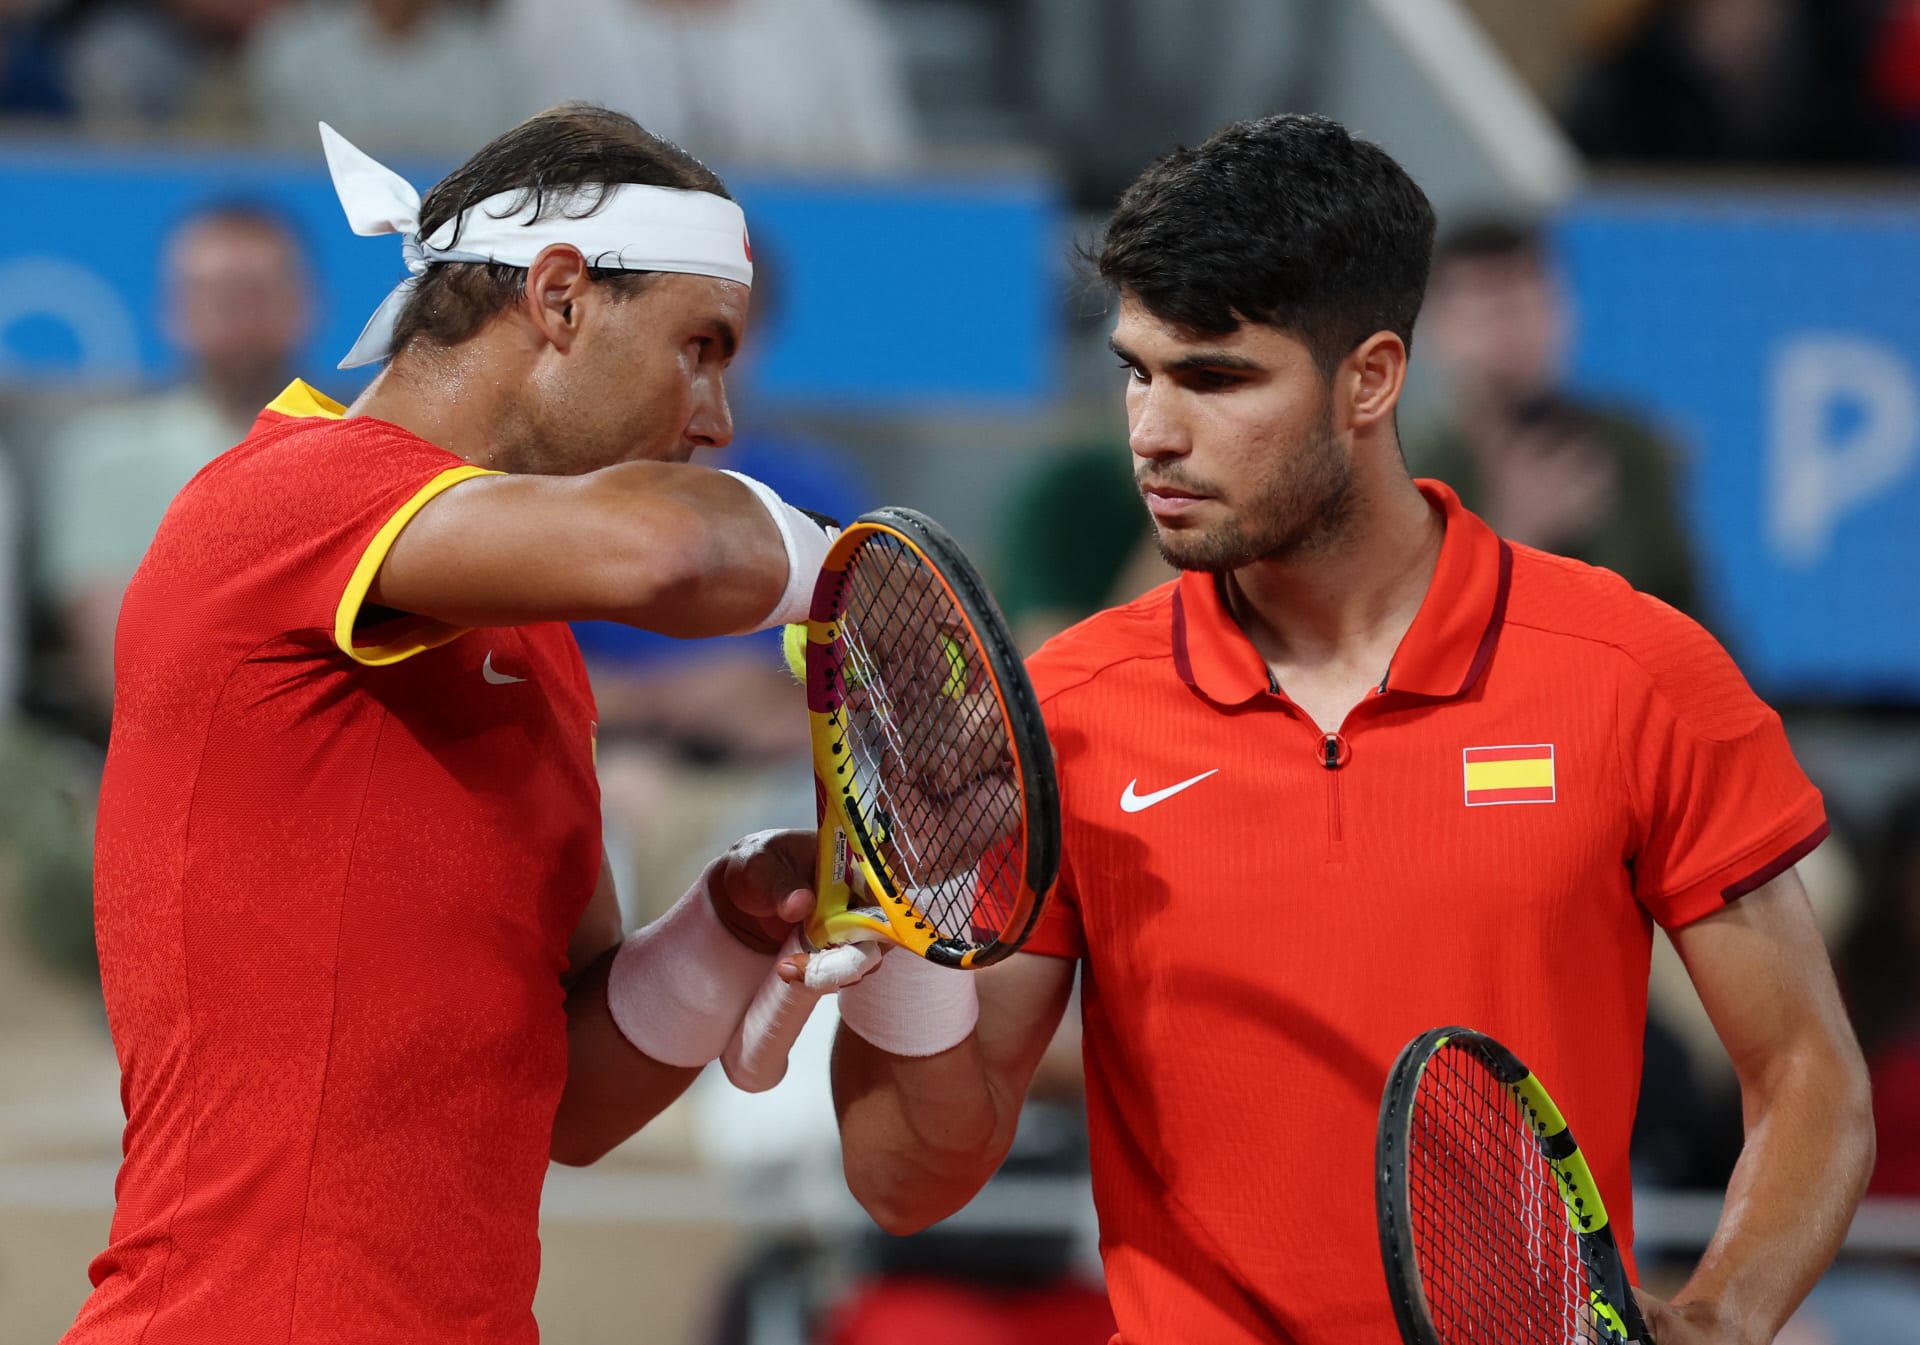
(679, 988)
(910, 1006)
(807, 537)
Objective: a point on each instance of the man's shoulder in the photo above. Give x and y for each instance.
(1659, 649)
(326, 446)
(1141, 629)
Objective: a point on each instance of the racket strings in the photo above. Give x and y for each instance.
(935, 779)
(1498, 1259)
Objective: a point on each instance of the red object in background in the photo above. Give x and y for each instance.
(1896, 59)
(1895, 1070)
(930, 1311)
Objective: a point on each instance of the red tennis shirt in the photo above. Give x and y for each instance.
(1552, 764)
(340, 855)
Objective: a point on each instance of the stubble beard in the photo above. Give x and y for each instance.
(1303, 510)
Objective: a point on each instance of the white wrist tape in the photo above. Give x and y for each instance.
(838, 968)
(807, 544)
(679, 987)
(909, 1006)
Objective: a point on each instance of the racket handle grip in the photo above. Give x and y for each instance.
(756, 1058)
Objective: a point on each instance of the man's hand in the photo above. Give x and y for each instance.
(1695, 1323)
(762, 887)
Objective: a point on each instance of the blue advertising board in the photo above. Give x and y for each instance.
(1779, 339)
(897, 295)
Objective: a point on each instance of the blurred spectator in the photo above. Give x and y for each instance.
(33, 76)
(1877, 963)
(425, 76)
(238, 306)
(783, 83)
(166, 61)
(1540, 465)
(1733, 81)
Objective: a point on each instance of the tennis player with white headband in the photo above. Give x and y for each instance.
(358, 938)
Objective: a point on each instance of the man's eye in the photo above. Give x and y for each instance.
(1135, 374)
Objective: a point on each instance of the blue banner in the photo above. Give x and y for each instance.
(905, 294)
(1779, 339)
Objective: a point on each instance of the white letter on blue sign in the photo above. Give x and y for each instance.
(1820, 470)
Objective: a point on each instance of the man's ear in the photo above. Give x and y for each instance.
(557, 285)
(1371, 380)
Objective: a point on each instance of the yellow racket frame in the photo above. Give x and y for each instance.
(852, 855)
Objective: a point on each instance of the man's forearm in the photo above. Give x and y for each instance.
(1808, 1152)
(613, 1088)
(920, 1136)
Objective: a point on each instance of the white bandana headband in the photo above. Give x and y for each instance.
(636, 228)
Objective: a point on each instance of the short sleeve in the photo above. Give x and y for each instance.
(1058, 932)
(296, 528)
(402, 639)
(1721, 806)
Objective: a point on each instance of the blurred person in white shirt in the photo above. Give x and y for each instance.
(802, 84)
(238, 307)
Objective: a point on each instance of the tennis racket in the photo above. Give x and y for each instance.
(1491, 1227)
(939, 812)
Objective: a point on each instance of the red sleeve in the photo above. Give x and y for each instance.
(1720, 805)
(303, 520)
(1058, 932)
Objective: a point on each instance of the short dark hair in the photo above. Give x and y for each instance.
(1288, 221)
(1491, 238)
(563, 161)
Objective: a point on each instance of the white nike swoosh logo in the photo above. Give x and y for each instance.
(1131, 802)
(498, 679)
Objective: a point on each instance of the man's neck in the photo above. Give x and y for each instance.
(451, 398)
(1347, 605)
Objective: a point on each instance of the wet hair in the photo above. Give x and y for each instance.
(563, 162)
(1289, 221)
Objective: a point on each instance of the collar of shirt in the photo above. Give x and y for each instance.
(1442, 654)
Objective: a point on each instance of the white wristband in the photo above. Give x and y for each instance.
(807, 544)
(679, 987)
(910, 1006)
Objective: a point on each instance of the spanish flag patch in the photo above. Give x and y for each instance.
(1522, 774)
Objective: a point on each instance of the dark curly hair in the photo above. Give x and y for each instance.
(1290, 221)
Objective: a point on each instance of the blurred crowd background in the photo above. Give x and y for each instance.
(1671, 330)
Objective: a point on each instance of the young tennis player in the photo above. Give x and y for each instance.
(357, 935)
(1363, 769)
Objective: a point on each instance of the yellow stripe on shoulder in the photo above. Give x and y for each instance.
(303, 400)
(418, 638)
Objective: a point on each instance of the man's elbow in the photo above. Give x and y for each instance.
(575, 1147)
(903, 1211)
